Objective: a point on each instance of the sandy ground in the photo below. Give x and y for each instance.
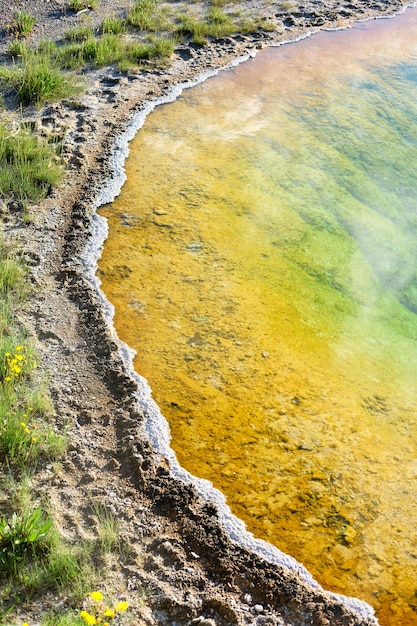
(178, 565)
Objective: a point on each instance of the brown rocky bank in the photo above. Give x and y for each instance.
(175, 552)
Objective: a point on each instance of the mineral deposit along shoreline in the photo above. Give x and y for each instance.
(156, 426)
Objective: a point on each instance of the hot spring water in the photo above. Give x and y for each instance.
(262, 259)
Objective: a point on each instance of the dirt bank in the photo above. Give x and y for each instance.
(176, 551)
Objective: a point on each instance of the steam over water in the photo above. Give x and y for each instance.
(262, 259)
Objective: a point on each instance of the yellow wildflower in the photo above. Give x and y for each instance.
(23, 425)
(97, 596)
(8, 378)
(25, 624)
(121, 607)
(109, 613)
(18, 348)
(88, 618)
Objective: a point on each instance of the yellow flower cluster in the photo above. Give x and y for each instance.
(26, 427)
(11, 366)
(99, 612)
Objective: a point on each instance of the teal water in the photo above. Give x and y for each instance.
(262, 259)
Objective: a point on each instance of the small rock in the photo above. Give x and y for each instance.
(113, 464)
(195, 246)
(349, 534)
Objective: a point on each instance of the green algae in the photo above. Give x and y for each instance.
(262, 260)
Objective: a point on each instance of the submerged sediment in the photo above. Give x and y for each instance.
(177, 547)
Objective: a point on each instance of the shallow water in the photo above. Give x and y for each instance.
(262, 260)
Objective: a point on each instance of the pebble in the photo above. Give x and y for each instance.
(195, 246)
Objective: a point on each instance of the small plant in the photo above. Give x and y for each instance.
(108, 528)
(21, 536)
(38, 80)
(11, 273)
(79, 33)
(67, 567)
(287, 5)
(12, 285)
(113, 25)
(98, 612)
(143, 15)
(161, 48)
(67, 618)
(216, 15)
(104, 51)
(14, 365)
(47, 48)
(189, 27)
(219, 25)
(81, 5)
(23, 437)
(17, 48)
(246, 26)
(28, 169)
(23, 24)
(71, 56)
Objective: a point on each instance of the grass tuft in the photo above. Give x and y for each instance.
(145, 15)
(28, 169)
(37, 80)
(22, 538)
(81, 5)
(79, 33)
(25, 436)
(108, 529)
(22, 24)
(18, 48)
(113, 25)
(195, 29)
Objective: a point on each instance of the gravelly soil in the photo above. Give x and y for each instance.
(175, 550)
